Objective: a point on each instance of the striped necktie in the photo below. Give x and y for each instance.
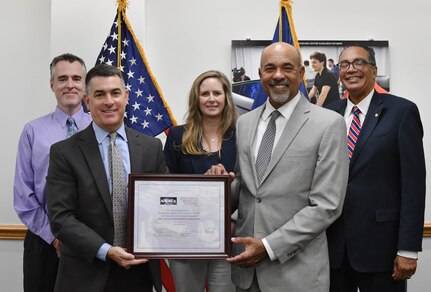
(354, 130)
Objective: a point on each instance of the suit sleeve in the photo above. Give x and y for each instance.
(62, 201)
(412, 167)
(326, 196)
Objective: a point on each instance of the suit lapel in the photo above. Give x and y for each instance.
(296, 121)
(135, 148)
(370, 123)
(253, 121)
(90, 150)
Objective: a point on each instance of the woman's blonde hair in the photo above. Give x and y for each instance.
(192, 137)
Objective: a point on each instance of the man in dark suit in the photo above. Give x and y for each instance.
(373, 246)
(79, 191)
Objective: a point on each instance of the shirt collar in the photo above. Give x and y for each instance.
(285, 110)
(101, 133)
(363, 105)
(61, 117)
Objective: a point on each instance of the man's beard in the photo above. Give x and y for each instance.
(279, 98)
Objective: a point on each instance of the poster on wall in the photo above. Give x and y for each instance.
(245, 62)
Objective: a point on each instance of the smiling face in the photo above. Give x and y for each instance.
(281, 73)
(212, 98)
(106, 100)
(358, 83)
(68, 84)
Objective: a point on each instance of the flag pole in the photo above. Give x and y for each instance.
(122, 5)
(280, 22)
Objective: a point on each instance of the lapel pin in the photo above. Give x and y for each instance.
(376, 115)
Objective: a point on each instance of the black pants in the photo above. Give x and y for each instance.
(135, 279)
(346, 279)
(40, 264)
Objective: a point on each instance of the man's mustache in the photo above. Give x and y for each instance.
(278, 82)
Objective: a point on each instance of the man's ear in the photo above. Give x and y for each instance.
(87, 101)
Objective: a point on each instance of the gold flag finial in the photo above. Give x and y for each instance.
(122, 5)
(286, 3)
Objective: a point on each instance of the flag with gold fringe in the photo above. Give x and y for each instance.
(284, 32)
(147, 110)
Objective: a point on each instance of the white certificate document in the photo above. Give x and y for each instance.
(179, 216)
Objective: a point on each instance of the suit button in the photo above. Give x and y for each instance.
(258, 200)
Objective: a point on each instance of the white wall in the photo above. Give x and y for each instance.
(182, 39)
(24, 79)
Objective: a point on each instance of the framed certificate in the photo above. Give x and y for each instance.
(179, 216)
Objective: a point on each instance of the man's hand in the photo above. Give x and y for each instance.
(57, 244)
(254, 252)
(123, 258)
(404, 268)
(219, 170)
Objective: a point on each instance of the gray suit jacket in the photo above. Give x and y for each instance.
(80, 205)
(300, 195)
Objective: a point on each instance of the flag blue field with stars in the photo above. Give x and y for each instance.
(146, 111)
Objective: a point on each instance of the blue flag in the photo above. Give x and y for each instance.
(287, 35)
(146, 111)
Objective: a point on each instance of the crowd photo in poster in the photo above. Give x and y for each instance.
(245, 65)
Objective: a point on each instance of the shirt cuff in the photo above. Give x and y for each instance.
(408, 254)
(46, 234)
(103, 251)
(269, 250)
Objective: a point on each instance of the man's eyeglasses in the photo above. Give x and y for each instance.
(357, 64)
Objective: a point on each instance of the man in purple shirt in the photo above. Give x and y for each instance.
(41, 248)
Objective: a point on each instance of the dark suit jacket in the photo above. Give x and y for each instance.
(80, 205)
(385, 200)
(179, 162)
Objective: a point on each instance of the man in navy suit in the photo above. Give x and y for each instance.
(374, 245)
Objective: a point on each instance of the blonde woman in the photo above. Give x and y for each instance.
(207, 138)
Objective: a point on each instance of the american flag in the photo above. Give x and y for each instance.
(146, 111)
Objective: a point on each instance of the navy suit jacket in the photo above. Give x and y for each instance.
(385, 200)
(179, 162)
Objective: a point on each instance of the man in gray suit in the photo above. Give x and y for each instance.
(80, 193)
(280, 241)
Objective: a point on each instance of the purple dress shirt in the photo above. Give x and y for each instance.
(32, 167)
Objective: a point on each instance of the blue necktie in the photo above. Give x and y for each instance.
(71, 127)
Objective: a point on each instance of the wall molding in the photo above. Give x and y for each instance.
(17, 232)
(427, 229)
